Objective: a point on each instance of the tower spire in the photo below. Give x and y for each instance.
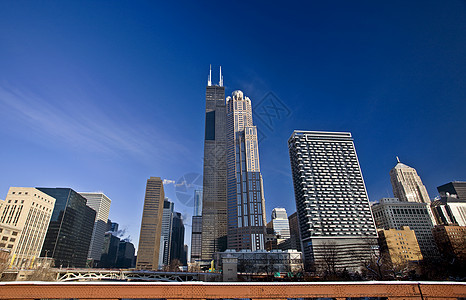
(221, 77)
(397, 159)
(209, 80)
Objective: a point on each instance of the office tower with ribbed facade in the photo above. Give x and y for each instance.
(151, 225)
(214, 202)
(70, 229)
(280, 224)
(101, 204)
(24, 219)
(407, 185)
(331, 200)
(245, 193)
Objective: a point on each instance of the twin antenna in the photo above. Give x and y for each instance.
(209, 80)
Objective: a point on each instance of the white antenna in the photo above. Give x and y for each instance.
(209, 81)
(397, 159)
(221, 77)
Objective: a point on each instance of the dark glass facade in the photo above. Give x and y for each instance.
(214, 202)
(70, 231)
(457, 188)
(177, 240)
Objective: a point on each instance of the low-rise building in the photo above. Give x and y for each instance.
(400, 244)
(262, 261)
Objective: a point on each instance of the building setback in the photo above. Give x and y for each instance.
(407, 185)
(24, 219)
(331, 199)
(214, 202)
(101, 204)
(70, 230)
(151, 225)
(245, 192)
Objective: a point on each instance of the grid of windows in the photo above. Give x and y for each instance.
(331, 197)
(393, 213)
(246, 214)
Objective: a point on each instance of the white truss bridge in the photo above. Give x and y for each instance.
(130, 275)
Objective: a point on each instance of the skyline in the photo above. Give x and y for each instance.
(99, 97)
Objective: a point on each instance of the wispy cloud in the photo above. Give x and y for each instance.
(86, 126)
(168, 181)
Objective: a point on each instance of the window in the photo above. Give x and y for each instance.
(14, 233)
(5, 238)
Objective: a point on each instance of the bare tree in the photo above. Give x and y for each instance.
(329, 261)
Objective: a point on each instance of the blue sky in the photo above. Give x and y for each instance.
(101, 95)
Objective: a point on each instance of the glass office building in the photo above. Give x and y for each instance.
(70, 231)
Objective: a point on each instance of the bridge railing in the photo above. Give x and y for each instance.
(205, 290)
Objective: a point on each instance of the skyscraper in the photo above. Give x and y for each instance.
(151, 225)
(101, 204)
(280, 224)
(214, 202)
(331, 200)
(407, 185)
(24, 219)
(70, 230)
(166, 236)
(455, 189)
(196, 233)
(177, 239)
(245, 193)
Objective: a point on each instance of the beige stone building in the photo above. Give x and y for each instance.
(407, 185)
(24, 219)
(400, 244)
(151, 225)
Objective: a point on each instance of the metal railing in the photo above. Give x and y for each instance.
(207, 290)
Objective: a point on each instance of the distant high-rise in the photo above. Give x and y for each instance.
(70, 230)
(101, 204)
(151, 225)
(166, 236)
(280, 224)
(214, 203)
(109, 251)
(331, 199)
(24, 220)
(112, 226)
(125, 257)
(177, 239)
(196, 233)
(407, 185)
(245, 193)
(295, 240)
(454, 189)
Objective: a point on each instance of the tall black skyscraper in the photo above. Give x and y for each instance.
(69, 234)
(177, 239)
(214, 204)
